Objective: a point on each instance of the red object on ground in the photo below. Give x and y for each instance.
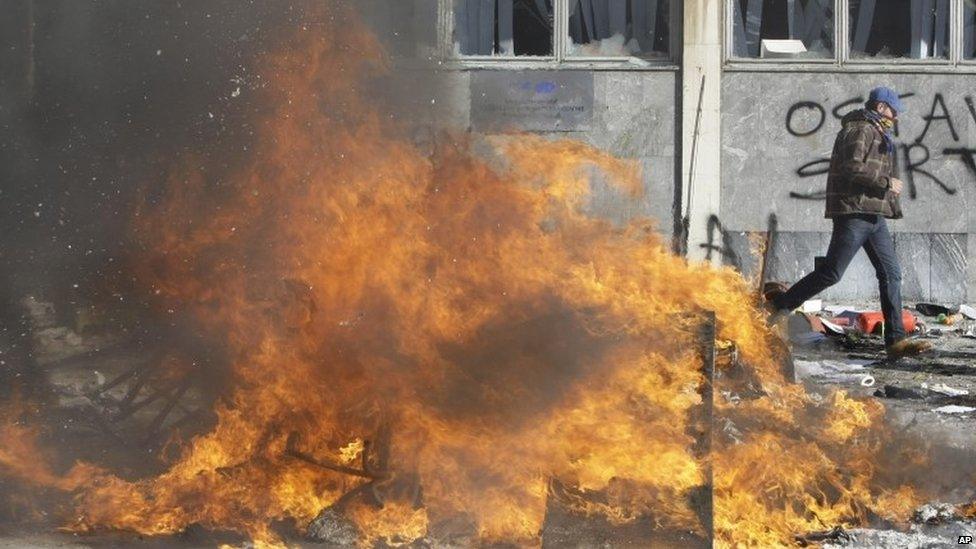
(868, 322)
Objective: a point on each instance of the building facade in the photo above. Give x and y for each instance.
(731, 107)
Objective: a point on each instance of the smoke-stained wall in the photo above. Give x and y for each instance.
(778, 129)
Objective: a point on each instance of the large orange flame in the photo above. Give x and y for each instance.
(462, 311)
(21, 455)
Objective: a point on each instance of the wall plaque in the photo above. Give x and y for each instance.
(535, 101)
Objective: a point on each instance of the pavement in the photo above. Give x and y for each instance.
(930, 403)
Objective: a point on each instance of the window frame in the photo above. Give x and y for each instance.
(560, 59)
(957, 42)
(842, 60)
(728, 30)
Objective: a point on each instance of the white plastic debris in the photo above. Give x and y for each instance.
(836, 328)
(812, 306)
(953, 409)
(838, 309)
(831, 370)
(944, 389)
(772, 49)
(967, 311)
(867, 381)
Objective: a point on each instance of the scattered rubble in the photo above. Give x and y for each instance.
(953, 409)
(944, 389)
(333, 528)
(814, 322)
(933, 525)
(917, 537)
(967, 311)
(56, 338)
(836, 371)
(934, 309)
(935, 513)
(834, 534)
(932, 396)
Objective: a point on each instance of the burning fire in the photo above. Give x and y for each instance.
(21, 455)
(419, 341)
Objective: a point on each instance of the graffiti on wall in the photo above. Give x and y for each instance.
(719, 243)
(725, 250)
(806, 118)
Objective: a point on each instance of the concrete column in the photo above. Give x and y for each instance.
(701, 70)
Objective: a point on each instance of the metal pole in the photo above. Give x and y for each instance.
(686, 222)
(772, 226)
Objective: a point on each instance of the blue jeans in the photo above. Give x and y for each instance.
(851, 233)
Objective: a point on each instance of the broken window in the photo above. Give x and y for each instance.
(783, 28)
(609, 28)
(969, 29)
(503, 27)
(913, 29)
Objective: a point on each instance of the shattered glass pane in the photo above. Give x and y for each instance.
(789, 29)
(503, 27)
(908, 29)
(612, 28)
(969, 29)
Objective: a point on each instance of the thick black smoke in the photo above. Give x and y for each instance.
(99, 99)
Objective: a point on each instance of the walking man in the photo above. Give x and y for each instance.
(861, 194)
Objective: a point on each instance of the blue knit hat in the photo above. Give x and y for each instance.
(886, 95)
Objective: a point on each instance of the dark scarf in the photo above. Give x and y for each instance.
(884, 126)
